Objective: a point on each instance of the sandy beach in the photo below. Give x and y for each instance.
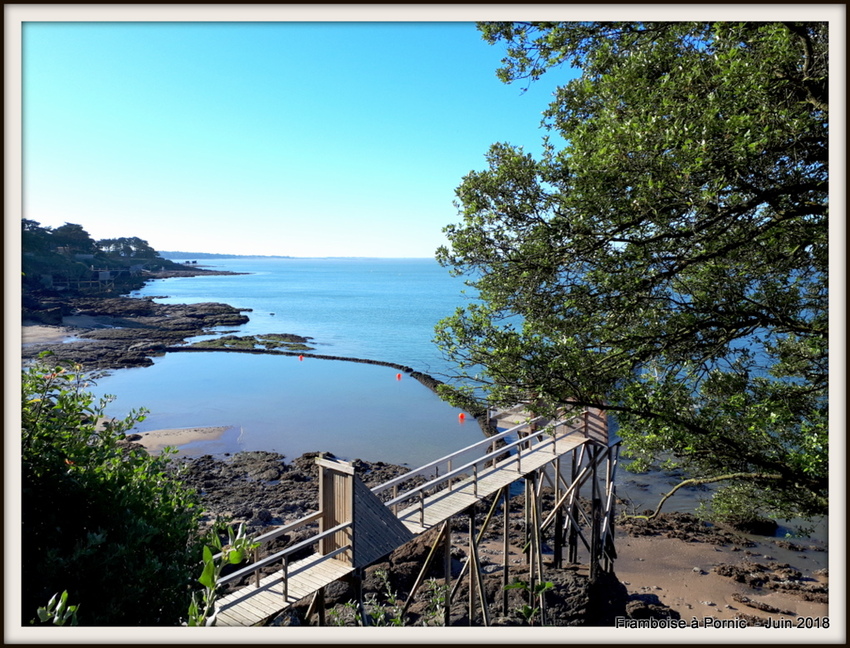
(155, 440)
(44, 334)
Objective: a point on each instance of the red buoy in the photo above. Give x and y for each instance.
(461, 417)
(301, 357)
(398, 376)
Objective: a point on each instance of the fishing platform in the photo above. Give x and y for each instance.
(356, 526)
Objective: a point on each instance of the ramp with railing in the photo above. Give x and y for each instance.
(354, 527)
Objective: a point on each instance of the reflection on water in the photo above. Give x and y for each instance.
(281, 404)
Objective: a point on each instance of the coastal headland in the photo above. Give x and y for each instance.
(675, 567)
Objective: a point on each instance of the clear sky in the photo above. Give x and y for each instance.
(298, 139)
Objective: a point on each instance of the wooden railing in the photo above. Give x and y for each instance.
(283, 555)
(489, 450)
(532, 440)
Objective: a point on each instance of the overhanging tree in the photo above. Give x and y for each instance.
(669, 262)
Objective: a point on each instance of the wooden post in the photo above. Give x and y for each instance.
(526, 516)
(559, 517)
(505, 545)
(336, 502)
(538, 552)
(572, 540)
(470, 563)
(425, 566)
(320, 599)
(595, 539)
(358, 586)
(447, 572)
(317, 606)
(530, 532)
(596, 507)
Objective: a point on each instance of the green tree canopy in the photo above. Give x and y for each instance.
(75, 238)
(128, 247)
(669, 262)
(112, 526)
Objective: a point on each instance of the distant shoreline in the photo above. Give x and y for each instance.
(213, 256)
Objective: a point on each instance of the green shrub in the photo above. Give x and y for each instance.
(112, 526)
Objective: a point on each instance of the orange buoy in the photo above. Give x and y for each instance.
(461, 417)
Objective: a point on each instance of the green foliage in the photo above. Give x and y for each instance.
(128, 247)
(113, 526)
(389, 611)
(58, 612)
(669, 263)
(235, 551)
(52, 251)
(436, 597)
(529, 612)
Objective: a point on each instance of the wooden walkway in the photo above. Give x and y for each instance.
(254, 604)
(435, 509)
(356, 528)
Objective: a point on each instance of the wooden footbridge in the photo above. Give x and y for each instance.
(356, 526)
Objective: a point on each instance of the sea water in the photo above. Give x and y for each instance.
(376, 309)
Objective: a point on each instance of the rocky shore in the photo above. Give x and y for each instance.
(118, 332)
(724, 574)
(672, 567)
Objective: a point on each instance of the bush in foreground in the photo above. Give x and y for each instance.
(109, 524)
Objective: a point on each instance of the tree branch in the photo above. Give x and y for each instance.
(700, 482)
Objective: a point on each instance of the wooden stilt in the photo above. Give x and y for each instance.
(572, 540)
(479, 582)
(529, 529)
(481, 531)
(447, 573)
(526, 515)
(505, 545)
(559, 517)
(469, 563)
(426, 565)
(317, 606)
(595, 519)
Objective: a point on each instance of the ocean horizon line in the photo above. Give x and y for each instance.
(217, 255)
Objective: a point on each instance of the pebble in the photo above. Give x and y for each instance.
(709, 603)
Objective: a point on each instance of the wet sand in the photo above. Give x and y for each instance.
(155, 440)
(44, 334)
(681, 574)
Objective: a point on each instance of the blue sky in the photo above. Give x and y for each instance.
(299, 139)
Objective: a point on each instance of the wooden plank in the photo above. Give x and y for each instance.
(251, 604)
(235, 616)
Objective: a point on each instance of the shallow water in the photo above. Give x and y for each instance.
(381, 309)
(281, 404)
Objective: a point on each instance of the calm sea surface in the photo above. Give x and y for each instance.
(378, 309)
